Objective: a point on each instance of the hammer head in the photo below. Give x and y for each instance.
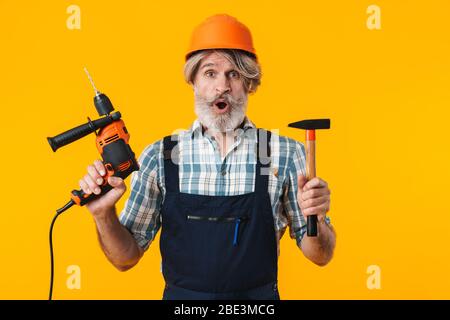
(311, 124)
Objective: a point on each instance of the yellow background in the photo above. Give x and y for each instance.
(385, 158)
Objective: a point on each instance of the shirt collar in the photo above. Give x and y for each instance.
(198, 128)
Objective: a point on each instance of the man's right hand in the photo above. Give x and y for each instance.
(91, 182)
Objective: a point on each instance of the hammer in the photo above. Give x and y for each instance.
(311, 126)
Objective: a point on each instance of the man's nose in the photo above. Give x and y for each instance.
(222, 85)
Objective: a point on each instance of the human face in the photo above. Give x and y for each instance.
(220, 96)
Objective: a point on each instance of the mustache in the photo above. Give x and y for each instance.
(225, 96)
(222, 122)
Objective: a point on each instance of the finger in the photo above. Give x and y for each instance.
(315, 193)
(315, 182)
(317, 210)
(84, 187)
(116, 182)
(301, 180)
(314, 202)
(100, 167)
(92, 184)
(95, 174)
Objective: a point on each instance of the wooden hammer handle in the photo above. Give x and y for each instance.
(310, 159)
(311, 222)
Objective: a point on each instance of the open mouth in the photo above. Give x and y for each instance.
(221, 106)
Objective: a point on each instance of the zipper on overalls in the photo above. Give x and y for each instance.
(213, 219)
(237, 220)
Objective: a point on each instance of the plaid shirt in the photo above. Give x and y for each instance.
(203, 171)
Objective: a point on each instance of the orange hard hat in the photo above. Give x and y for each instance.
(221, 32)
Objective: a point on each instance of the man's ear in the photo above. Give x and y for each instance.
(250, 88)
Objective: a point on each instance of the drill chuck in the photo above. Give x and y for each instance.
(103, 104)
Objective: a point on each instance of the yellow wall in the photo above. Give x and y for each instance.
(385, 158)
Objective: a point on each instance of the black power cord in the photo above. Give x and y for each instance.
(52, 263)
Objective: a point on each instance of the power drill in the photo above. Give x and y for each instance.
(112, 144)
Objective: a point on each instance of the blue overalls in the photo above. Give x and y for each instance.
(218, 247)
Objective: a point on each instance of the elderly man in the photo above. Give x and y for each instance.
(222, 192)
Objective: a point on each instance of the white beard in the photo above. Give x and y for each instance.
(228, 121)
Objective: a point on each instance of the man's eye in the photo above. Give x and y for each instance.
(234, 74)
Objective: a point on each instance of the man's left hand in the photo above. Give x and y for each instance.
(313, 197)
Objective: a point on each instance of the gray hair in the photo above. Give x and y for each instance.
(246, 65)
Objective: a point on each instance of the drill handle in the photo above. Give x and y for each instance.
(119, 161)
(70, 136)
(80, 198)
(76, 133)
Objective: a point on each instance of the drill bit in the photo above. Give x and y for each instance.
(91, 81)
(101, 101)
